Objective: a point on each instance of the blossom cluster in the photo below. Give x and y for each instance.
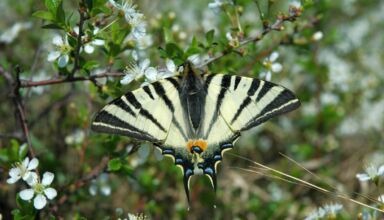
(152, 74)
(40, 189)
(328, 211)
(372, 173)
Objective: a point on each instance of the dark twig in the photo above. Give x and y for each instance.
(17, 100)
(26, 83)
(71, 188)
(276, 26)
(76, 65)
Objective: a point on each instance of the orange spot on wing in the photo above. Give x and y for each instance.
(202, 144)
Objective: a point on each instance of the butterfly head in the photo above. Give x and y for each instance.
(197, 146)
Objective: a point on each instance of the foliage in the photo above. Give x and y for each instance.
(61, 61)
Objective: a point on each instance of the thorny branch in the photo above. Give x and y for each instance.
(17, 101)
(76, 65)
(96, 171)
(26, 83)
(294, 13)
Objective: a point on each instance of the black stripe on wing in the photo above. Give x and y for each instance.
(251, 91)
(108, 123)
(159, 89)
(286, 101)
(144, 112)
(121, 104)
(225, 84)
(148, 91)
(150, 117)
(161, 92)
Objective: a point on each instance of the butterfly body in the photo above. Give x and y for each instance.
(196, 117)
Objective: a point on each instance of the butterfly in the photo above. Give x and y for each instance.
(195, 117)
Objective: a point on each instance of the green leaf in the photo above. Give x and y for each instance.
(46, 15)
(92, 64)
(52, 26)
(89, 4)
(209, 36)
(52, 5)
(60, 14)
(23, 150)
(174, 52)
(25, 211)
(114, 164)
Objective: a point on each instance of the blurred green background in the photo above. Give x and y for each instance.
(332, 58)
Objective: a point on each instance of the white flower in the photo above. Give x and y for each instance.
(216, 5)
(152, 75)
(100, 185)
(10, 34)
(89, 47)
(328, 210)
(135, 71)
(75, 137)
(144, 42)
(197, 59)
(333, 208)
(318, 35)
(381, 198)
(134, 18)
(295, 3)
(41, 190)
(271, 66)
(23, 170)
(232, 41)
(61, 52)
(371, 173)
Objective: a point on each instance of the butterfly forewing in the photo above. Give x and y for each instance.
(142, 114)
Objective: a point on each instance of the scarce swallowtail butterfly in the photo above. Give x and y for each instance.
(194, 118)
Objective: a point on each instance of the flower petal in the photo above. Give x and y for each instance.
(276, 67)
(127, 79)
(93, 190)
(31, 178)
(26, 194)
(88, 48)
(105, 190)
(98, 42)
(25, 162)
(15, 172)
(39, 202)
(170, 65)
(151, 74)
(53, 55)
(268, 76)
(33, 164)
(380, 171)
(12, 180)
(228, 35)
(63, 60)
(363, 177)
(50, 192)
(195, 59)
(76, 30)
(144, 64)
(273, 57)
(47, 178)
(57, 40)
